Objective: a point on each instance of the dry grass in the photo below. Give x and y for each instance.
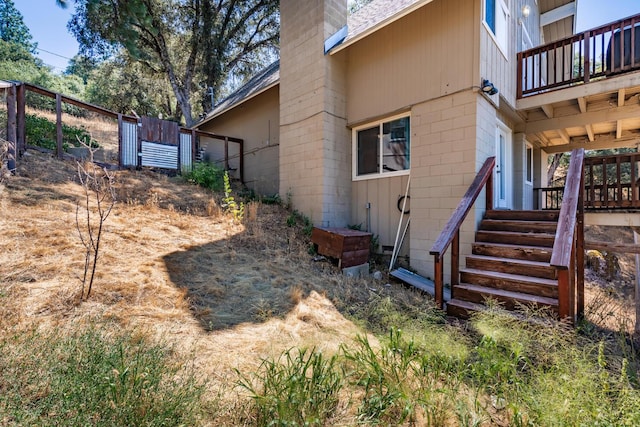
(171, 265)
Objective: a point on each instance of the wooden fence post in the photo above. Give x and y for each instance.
(11, 128)
(21, 120)
(59, 147)
(120, 154)
(226, 153)
(242, 161)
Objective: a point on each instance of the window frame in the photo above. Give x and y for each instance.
(354, 145)
(528, 167)
(499, 34)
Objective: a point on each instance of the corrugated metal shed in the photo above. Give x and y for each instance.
(159, 155)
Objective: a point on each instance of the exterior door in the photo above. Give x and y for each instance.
(503, 173)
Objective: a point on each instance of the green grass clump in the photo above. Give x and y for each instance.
(206, 175)
(91, 379)
(299, 389)
(405, 381)
(549, 374)
(42, 132)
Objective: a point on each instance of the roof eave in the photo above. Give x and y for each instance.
(401, 14)
(237, 104)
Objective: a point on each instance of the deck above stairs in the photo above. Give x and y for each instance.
(509, 263)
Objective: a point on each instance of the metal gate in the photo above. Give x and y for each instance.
(155, 143)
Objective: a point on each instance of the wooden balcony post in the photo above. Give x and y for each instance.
(520, 76)
(587, 57)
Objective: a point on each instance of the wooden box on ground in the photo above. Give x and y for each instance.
(350, 247)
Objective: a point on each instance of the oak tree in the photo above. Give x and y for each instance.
(196, 44)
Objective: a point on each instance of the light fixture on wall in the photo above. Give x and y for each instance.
(488, 88)
(526, 10)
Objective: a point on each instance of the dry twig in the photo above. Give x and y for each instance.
(99, 199)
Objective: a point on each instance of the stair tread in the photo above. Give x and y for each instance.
(509, 294)
(509, 276)
(511, 246)
(522, 214)
(520, 221)
(520, 233)
(510, 260)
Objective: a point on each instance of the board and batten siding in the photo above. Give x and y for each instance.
(425, 55)
(257, 122)
(428, 54)
(500, 65)
(497, 66)
(382, 195)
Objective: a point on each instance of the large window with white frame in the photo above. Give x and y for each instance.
(382, 148)
(496, 18)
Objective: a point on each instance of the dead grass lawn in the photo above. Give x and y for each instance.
(173, 266)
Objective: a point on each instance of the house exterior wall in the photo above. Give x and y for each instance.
(444, 163)
(315, 149)
(374, 202)
(402, 68)
(499, 64)
(256, 121)
(427, 54)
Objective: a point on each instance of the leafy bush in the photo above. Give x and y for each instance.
(206, 175)
(302, 390)
(89, 379)
(42, 132)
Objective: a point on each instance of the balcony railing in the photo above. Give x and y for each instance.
(611, 182)
(594, 54)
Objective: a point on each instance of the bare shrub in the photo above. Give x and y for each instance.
(99, 198)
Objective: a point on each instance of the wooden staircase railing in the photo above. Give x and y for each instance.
(610, 183)
(568, 247)
(594, 54)
(450, 235)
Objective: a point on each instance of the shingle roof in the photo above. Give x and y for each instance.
(258, 83)
(375, 13)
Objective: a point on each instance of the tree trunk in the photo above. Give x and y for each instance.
(551, 170)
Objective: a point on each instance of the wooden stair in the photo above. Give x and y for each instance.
(509, 263)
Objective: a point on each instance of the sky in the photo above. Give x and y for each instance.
(48, 24)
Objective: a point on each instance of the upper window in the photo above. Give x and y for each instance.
(382, 148)
(496, 16)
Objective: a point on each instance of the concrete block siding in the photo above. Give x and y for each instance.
(315, 150)
(451, 138)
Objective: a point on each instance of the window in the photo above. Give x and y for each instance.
(382, 148)
(496, 17)
(528, 167)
